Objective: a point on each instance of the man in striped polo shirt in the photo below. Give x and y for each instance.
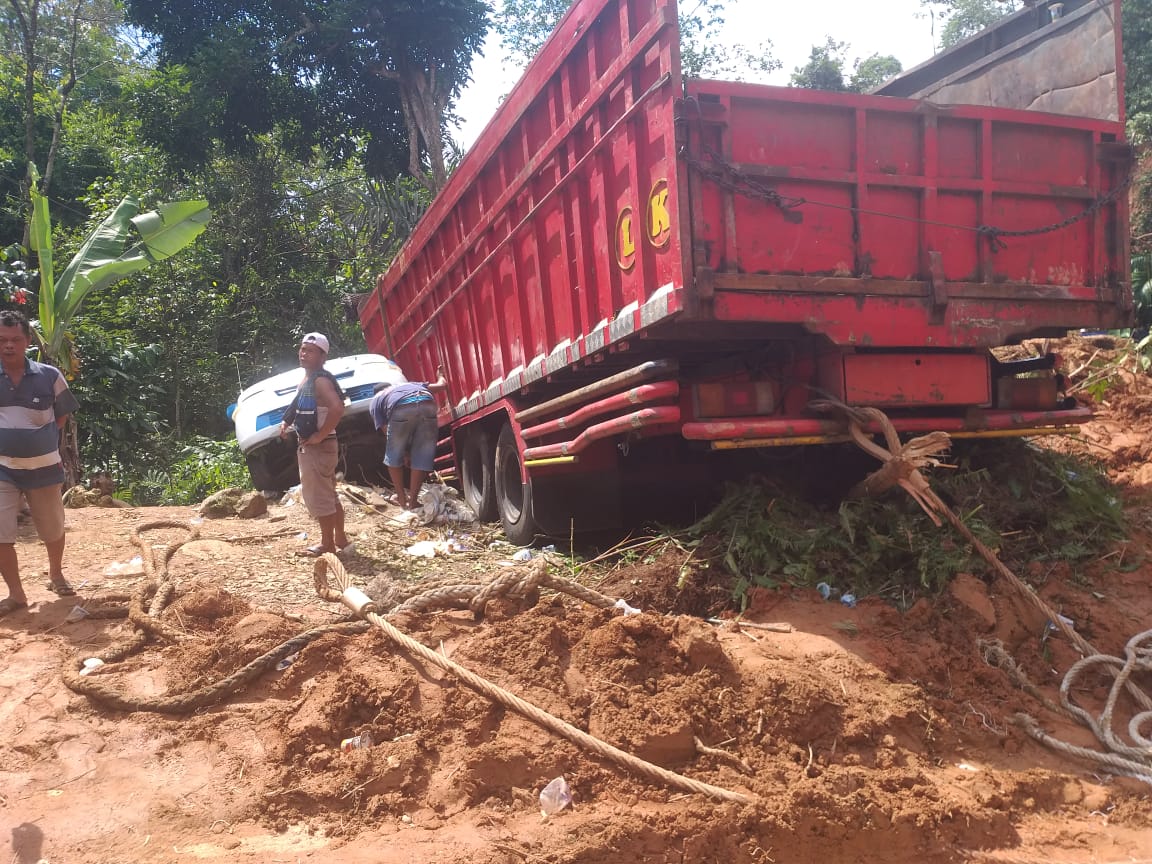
(34, 404)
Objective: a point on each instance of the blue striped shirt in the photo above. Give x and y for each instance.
(29, 436)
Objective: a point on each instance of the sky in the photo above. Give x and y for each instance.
(898, 27)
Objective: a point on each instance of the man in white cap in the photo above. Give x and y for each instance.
(314, 414)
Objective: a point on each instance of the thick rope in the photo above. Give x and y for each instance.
(902, 464)
(156, 590)
(183, 703)
(362, 605)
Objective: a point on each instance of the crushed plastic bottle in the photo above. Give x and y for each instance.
(78, 613)
(848, 600)
(825, 589)
(522, 555)
(357, 742)
(555, 797)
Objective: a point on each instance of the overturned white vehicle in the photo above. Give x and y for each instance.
(258, 411)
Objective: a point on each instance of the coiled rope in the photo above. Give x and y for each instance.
(157, 589)
(536, 575)
(901, 466)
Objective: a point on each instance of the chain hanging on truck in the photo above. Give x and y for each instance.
(995, 234)
(730, 176)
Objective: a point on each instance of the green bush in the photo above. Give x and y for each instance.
(1026, 503)
(202, 466)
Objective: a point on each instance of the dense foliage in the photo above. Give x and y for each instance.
(1033, 506)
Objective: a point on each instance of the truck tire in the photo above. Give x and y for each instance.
(477, 467)
(513, 497)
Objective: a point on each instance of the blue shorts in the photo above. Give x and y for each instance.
(412, 432)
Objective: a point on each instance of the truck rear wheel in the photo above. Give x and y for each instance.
(477, 465)
(513, 496)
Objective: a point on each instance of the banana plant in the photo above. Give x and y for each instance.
(125, 242)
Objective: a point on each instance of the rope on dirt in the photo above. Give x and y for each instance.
(515, 583)
(183, 703)
(902, 464)
(363, 605)
(156, 590)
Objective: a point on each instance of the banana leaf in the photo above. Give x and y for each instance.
(105, 257)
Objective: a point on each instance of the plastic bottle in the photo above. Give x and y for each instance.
(357, 742)
(555, 797)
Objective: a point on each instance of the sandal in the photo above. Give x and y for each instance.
(61, 588)
(8, 606)
(311, 552)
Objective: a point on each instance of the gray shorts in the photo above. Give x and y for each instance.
(412, 432)
(46, 504)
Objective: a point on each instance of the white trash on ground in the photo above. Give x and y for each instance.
(134, 567)
(555, 797)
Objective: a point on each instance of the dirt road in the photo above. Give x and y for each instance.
(864, 734)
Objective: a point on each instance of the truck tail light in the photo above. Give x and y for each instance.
(735, 399)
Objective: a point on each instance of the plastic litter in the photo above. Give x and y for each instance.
(825, 590)
(287, 661)
(522, 555)
(432, 548)
(91, 665)
(357, 742)
(848, 600)
(551, 547)
(441, 505)
(555, 797)
(625, 608)
(1052, 628)
(134, 567)
(78, 613)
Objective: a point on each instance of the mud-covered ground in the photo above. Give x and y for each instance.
(864, 734)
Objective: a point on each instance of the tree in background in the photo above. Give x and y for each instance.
(964, 18)
(524, 26)
(56, 58)
(360, 79)
(1137, 23)
(825, 70)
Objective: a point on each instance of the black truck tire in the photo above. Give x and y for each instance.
(513, 497)
(477, 470)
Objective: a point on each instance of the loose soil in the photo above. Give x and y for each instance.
(863, 734)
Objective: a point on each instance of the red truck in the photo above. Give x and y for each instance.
(631, 270)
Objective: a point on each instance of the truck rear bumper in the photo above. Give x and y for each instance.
(775, 432)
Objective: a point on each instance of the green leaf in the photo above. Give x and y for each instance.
(104, 258)
(170, 227)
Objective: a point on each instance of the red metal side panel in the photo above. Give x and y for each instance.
(559, 219)
(895, 198)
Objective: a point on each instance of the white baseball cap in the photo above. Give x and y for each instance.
(317, 339)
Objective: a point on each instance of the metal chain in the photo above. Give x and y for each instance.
(729, 176)
(994, 234)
